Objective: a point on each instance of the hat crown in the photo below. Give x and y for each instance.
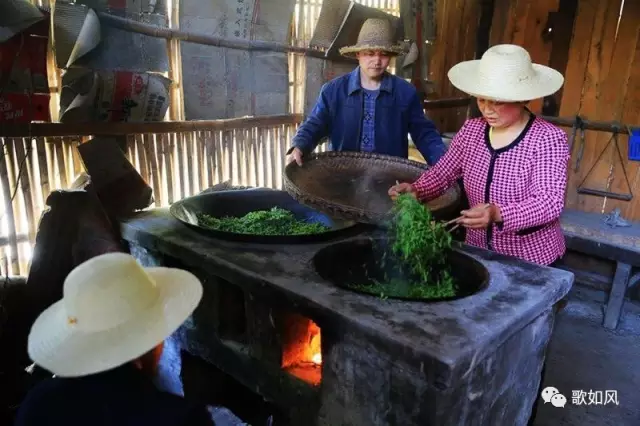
(375, 32)
(106, 292)
(506, 63)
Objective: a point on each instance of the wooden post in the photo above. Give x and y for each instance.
(615, 303)
(561, 25)
(416, 77)
(482, 41)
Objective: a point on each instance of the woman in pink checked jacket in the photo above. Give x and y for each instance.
(513, 164)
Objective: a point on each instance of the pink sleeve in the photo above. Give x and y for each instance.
(435, 181)
(548, 185)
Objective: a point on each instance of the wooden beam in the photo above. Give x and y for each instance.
(127, 128)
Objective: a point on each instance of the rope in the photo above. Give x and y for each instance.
(615, 129)
(577, 124)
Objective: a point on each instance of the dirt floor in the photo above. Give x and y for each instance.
(585, 356)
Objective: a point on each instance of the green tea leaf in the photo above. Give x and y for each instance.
(276, 221)
(418, 255)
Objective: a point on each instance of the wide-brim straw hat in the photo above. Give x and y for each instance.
(113, 311)
(375, 34)
(505, 73)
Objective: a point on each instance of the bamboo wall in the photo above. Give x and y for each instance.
(594, 43)
(176, 159)
(175, 163)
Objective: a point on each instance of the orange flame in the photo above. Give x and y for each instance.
(314, 344)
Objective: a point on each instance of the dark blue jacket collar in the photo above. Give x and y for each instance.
(354, 82)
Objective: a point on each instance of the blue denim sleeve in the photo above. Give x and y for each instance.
(424, 133)
(316, 125)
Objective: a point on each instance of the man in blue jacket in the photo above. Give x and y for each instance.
(369, 109)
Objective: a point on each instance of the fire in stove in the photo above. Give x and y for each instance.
(314, 344)
(302, 348)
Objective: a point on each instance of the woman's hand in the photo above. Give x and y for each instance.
(402, 188)
(480, 216)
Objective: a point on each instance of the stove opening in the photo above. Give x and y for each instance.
(302, 348)
(233, 320)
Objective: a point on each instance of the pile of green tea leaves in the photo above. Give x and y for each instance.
(276, 221)
(416, 261)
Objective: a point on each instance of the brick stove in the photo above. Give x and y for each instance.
(329, 356)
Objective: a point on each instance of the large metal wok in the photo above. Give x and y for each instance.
(237, 203)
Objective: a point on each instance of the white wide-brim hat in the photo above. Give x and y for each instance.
(113, 311)
(505, 73)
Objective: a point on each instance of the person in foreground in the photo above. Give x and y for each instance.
(512, 163)
(103, 342)
(369, 109)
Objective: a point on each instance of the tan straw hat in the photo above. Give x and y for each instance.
(375, 34)
(113, 311)
(505, 73)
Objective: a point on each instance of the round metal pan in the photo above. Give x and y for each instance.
(237, 203)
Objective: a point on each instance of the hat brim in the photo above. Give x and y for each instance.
(350, 51)
(68, 351)
(546, 81)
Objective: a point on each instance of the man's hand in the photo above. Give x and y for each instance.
(296, 155)
(402, 188)
(480, 216)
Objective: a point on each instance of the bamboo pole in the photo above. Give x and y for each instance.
(126, 128)
(446, 103)
(206, 39)
(219, 156)
(598, 126)
(12, 266)
(209, 157)
(209, 40)
(200, 146)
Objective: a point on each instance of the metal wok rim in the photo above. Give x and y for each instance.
(456, 248)
(346, 227)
